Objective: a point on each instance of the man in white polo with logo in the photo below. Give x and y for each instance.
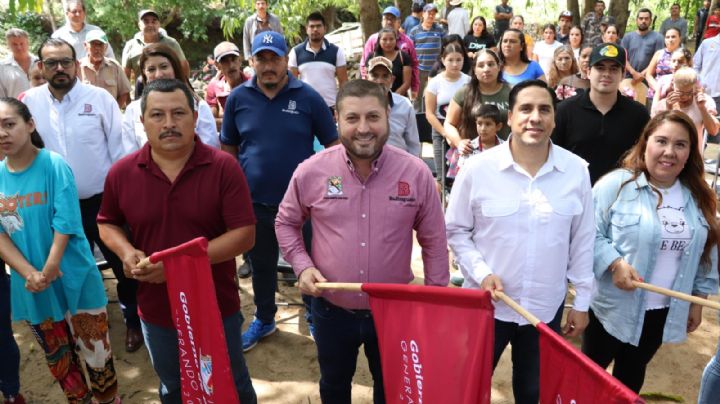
(270, 123)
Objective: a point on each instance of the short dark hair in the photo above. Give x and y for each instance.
(361, 88)
(488, 111)
(316, 16)
(81, 3)
(55, 43)
(599, 1)
(166, 86)
(530, 83)
(644, 10)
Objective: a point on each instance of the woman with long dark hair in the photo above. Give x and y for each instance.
(55, 285)
(478, 37)
(655, 220)
(387, 47)
(158, 61)
(513, 54)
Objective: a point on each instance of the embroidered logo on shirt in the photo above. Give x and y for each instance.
(291, 108)
(403, 193)
(334, 188)
(403, 188)
(87, 110)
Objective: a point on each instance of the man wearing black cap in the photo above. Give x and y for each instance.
(150, 32)
(600, 125)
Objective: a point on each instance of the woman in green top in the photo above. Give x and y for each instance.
(486, 87)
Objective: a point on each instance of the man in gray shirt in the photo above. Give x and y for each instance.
(260, 21)
(641, 45)
(403, 126)
(675, 21)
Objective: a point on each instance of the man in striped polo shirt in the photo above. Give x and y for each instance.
(427, 38)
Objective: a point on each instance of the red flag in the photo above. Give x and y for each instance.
(436, 343)
(204, 363)
(568, 377)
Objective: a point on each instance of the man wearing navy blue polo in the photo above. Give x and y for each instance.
(270, 123)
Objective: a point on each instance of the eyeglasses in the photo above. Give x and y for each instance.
(52, 64)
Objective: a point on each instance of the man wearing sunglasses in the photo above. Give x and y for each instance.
(82, 123)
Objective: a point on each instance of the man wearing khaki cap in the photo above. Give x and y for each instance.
(403, 126)
(150, 32)
(101, 71)
(229, 64)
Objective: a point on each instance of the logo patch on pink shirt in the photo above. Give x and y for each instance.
(403, 188)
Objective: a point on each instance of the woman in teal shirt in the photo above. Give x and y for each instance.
(55, 285)
(655, 220)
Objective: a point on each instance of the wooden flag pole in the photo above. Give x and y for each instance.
(678, 295)
(521, 310)
(352, 287)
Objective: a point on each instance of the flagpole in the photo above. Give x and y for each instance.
(352, 287)
(678, 295)
(521, 310)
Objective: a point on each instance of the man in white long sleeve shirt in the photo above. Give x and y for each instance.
(81, 123)
(520, 220)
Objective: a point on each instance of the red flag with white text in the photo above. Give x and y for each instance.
(205, 370)
(436, 343)
(569, 377)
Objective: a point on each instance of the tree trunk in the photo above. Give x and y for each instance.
(330, 15)
(405, 7)
(574, 8)
(588, 6)
(369, 17)
(620, 9)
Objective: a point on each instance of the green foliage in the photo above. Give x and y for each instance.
(117, 19)
(291, 14)
(25, 6)
(29, 21)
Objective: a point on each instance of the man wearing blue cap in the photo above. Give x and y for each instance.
(270, 123)
(391, 19)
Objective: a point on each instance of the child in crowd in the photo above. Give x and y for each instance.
(55, 285)
(488, 124)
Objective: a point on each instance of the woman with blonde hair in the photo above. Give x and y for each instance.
(563, 65)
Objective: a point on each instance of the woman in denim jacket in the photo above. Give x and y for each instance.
(655, 220)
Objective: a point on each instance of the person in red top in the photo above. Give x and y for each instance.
(171, 191)
(713, 23)
(228, 62)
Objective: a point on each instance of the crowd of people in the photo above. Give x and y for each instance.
(574, 158)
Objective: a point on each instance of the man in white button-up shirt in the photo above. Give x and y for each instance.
(82, 123)
(520, 220)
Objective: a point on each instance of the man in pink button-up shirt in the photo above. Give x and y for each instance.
(364, 199)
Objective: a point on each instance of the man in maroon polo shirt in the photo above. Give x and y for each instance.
(172, 190)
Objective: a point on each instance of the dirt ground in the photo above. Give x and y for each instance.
(284, 369)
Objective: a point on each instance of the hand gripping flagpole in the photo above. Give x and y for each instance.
(519, 309)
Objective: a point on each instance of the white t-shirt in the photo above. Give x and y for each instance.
(545, 51)
(444, 90)
(675, 235)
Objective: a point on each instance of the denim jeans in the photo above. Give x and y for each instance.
(525, 355)
(162, 344)
(9, 353)
(710, 384)
(338, 336)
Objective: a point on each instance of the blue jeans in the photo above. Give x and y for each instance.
(162, 344)
(710, 384)
(9, 353)
(338, 336)
(525, 356)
